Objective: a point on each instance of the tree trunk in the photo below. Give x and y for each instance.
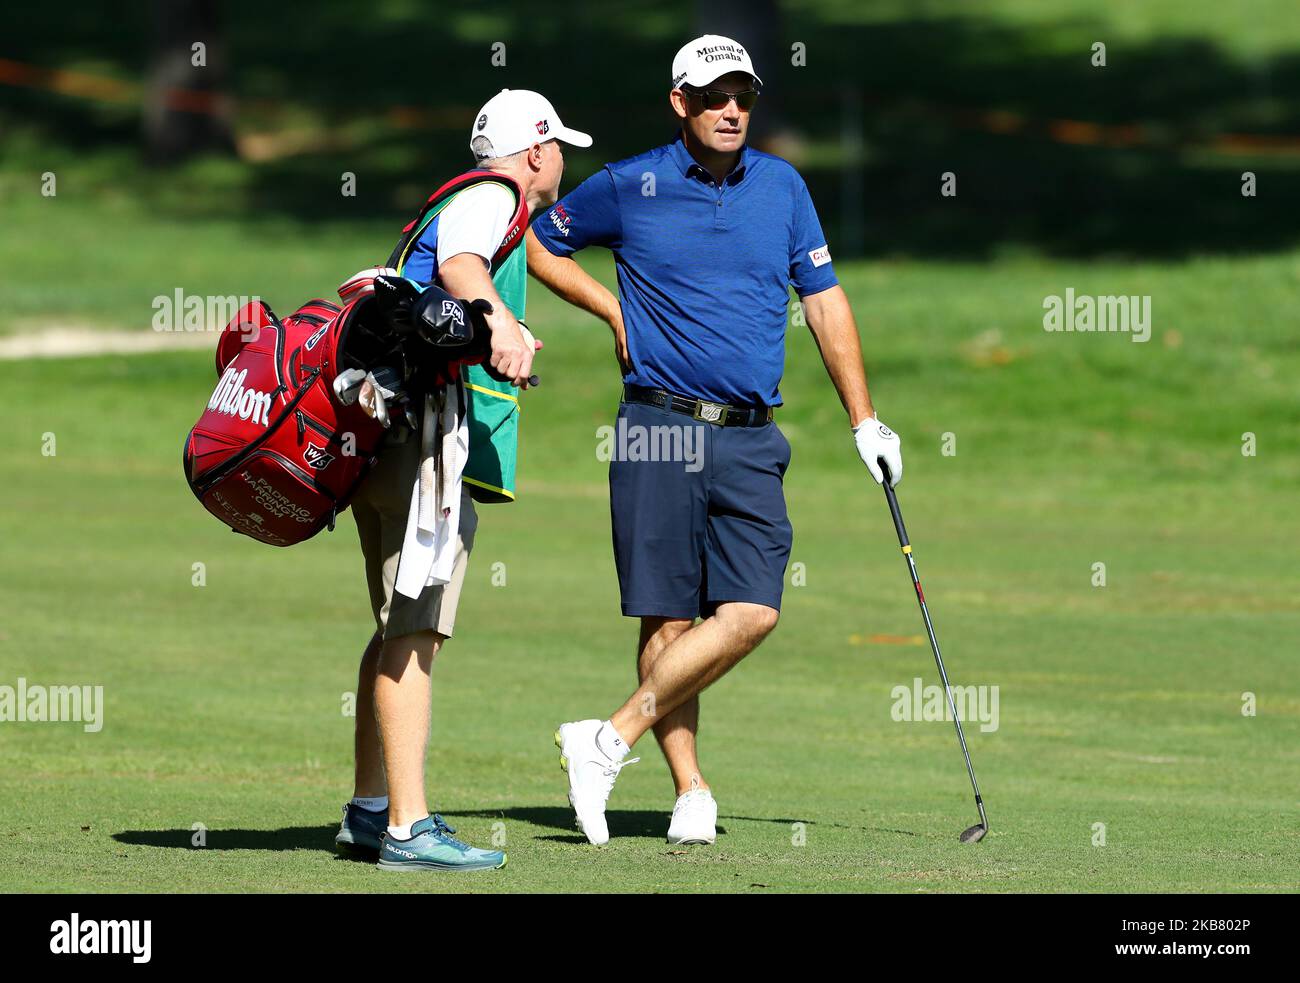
(186, 109)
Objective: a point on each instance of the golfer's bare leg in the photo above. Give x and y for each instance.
(402, 701)
(368, 780)
(692, 662)
(676, 731)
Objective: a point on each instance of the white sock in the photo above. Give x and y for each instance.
(376, 803)
(607, 740)
(402, 832)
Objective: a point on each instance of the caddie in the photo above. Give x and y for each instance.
(708, 235)
(466, 240)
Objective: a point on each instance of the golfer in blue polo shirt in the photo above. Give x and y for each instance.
(708, 236)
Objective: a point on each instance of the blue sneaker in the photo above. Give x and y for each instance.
(362, 831)
(432, 847)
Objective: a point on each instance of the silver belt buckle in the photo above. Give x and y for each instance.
(708, 412)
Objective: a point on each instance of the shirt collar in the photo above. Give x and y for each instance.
(690, 167)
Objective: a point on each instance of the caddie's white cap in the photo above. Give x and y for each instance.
(710, 57)
(515, 119)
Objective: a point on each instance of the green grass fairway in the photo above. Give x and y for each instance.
(1119, 705)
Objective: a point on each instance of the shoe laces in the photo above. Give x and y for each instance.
(691, 799)
(610, 772)
(445, 833)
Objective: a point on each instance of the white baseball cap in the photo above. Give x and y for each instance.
(710, 57)
(515, 119)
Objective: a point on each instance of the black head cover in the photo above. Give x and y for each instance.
(394, 296)
(442, 320)
(435, 327)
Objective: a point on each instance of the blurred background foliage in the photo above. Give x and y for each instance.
(1052, 155)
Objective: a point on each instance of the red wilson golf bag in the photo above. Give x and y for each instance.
(276, 455)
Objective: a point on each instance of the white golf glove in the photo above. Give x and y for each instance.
(875, 440)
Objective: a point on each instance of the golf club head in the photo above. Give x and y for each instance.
(975, 833)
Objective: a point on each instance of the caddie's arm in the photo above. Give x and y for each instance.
(571, 283)
(833, 328)
(465, 275)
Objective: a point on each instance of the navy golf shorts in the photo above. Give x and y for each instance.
(698, 513)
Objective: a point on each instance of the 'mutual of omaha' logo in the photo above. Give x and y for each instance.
(230, 398)
(719, 52)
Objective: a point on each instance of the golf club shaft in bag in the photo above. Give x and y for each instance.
(974, 833)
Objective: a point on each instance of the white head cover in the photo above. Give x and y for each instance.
(515, 119)
(708, 58)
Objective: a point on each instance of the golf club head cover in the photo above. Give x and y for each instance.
(442, 320)
(395, 296)
(362, 284)
(435, 318)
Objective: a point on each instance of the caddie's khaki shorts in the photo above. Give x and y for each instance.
(379, 508)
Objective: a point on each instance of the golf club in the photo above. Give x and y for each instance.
(978, 831)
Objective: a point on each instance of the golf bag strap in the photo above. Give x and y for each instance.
(514, 234)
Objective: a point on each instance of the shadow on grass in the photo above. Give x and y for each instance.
(289, 838)
(639, 823)
(627, 823)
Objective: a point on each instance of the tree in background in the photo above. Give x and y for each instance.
(187, 111)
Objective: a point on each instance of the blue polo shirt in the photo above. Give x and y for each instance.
(703, 269)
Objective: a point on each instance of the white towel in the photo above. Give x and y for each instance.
(433, 522)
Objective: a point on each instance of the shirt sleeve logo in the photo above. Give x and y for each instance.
(560, 219)
(820, 256)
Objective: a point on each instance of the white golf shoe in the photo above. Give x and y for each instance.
(695, 818)
(591, 774)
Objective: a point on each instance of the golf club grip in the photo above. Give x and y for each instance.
(892, 499)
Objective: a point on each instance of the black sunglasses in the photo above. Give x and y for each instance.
(718, 98)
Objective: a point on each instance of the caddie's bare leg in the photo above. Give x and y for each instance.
(368, 779)
(402, 702)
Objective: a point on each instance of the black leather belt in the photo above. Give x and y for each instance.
(716, 413)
